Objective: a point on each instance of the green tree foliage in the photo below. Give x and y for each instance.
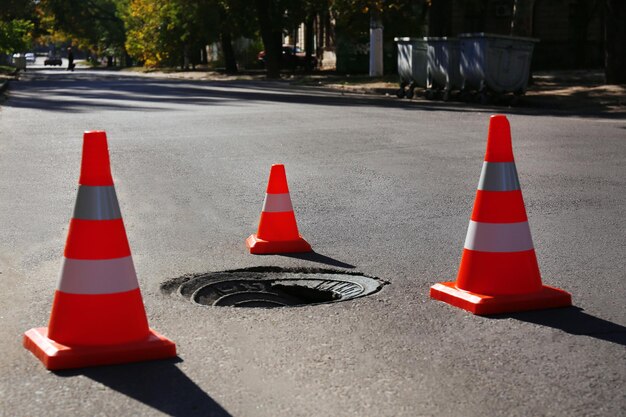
(18, 9)
(172, 32)
(92, 24)
(399, 18)
(15, 35)
(148, 26)
(18, 23)
(163, 32)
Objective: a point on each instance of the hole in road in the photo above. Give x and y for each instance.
(269, 287)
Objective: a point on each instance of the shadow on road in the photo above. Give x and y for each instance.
(158, 384)
(574, 320)
(319, 258)
(84, 91)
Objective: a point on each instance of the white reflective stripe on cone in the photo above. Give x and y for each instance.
(275, 203)
(102, 276)
(498, 176)
(96, 203)
(498, 237)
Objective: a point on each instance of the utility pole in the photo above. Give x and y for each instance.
(376, 42)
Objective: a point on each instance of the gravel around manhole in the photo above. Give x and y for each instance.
(268, 287)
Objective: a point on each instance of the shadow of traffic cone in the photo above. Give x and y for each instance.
(278, 231)
(499, 271)
(97, 317)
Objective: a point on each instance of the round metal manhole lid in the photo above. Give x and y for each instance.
(268, 287)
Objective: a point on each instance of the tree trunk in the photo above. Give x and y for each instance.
(229, 53)
(185, 65)
(308, 42)
(129, 59)
(580, 15)
(615, 42)
(271, 33)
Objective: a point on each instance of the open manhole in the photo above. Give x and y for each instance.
(268, 287)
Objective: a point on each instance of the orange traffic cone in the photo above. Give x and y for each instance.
(97, 317)
(278, 231)
(499, 271)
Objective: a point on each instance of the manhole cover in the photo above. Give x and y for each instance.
(269, 287)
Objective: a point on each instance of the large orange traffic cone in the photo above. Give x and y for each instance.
(97, 317)
(278, 231)
(499, 271)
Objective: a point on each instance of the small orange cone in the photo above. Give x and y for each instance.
(499, 271)
(278, 231)
(97, 317)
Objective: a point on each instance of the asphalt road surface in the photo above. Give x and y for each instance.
(379, 186)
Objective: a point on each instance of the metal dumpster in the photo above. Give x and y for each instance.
(19, 61)
(495, 64)
(443, 74)
(411, 65)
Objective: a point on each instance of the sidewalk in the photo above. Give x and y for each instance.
(556, 90)
(572, 91)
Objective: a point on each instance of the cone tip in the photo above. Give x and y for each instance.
(498, 117)
(277, 183)
(95, 134)
(499, 148)
(95, 168)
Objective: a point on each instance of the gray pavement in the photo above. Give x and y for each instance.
(379, 184)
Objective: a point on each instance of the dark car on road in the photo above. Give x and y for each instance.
(53, 60)
(292, 57)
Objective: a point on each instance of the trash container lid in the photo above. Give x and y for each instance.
(407, 39)
(494, 35)
(441, 38)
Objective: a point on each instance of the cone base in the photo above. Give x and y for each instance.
(259, 246)
(56, 356)
(480, 304)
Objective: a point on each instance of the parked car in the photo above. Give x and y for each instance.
(30, 57)
(53, 60)
(292, 57)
